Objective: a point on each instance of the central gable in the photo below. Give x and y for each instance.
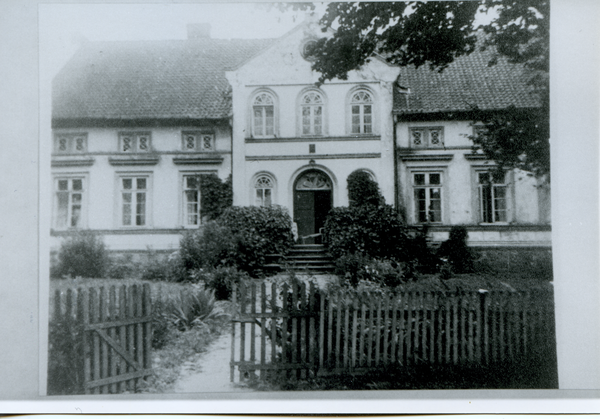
(283, 62)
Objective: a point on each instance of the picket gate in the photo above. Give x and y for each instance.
(301, 332)
(115, 325)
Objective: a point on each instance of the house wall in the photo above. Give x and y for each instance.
(527, 221)
(101, 209)
(286, 75)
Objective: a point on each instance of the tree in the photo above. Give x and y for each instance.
(435, 33)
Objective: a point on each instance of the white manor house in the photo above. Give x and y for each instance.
(134, 123)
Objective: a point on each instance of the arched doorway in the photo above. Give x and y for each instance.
(312, 202)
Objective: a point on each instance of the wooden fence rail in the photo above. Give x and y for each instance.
(303, 332)
(115, 328)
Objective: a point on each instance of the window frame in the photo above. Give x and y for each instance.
(478, 197)
(427, 187)
(426, 137)
(71, 140)
(350, 112)
(135, 147)
(83, 203)
(148, 202)
(199, 137)
(300, 113)
(253, 105)
(253, 196)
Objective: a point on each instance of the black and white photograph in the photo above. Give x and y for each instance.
(299, 200)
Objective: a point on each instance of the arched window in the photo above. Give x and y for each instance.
(263, 111)
(361, 109)
(312, 113)
(263, 187)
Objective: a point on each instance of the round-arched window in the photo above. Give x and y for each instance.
(312, 113)
(361, 105)
(263, 191)
(263, 121)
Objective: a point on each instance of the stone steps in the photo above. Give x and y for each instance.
(305, 257)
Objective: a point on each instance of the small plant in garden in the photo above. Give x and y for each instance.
(220, 280)
(84, 255)
(455, 249)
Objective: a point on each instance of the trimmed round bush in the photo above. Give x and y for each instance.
(375, 231)
(84, 255)
(362, 190)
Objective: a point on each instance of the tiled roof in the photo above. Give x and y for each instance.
(465, 83)
(150, 79)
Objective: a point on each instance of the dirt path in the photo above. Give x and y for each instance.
(210, 371)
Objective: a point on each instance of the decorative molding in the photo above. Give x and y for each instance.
(310, 139)
(134, 160)
(316, 156)
(124, 231)
(473, 156)
(72, 162)
(198, 159)
(154, 153)
(426, 157)
(488, 227)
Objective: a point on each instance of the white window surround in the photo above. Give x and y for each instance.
(135, 142)
(311, 113)
(427, 194)
(492, 201)
(263, 190)
(70, 201)
(426, 137)
(134, 200)
(191, 200)
(263, 121)
(70, 143)
(197, 141)
(361, 112)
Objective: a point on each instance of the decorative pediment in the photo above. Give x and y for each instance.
(313, 181)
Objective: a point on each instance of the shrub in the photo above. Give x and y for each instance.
(373, 231)
(356, 268)
(216, 195)
(220, 280)
(455, 249)
(258, 231)
(420, 252)
(84, 255)
(158, 268)
(362, 190)
(212, 246)
(65, 360)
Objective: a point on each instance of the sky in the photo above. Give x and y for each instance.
(63, 27)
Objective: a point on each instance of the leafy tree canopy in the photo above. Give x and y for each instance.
(434, 34)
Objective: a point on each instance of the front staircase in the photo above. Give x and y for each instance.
(311, 258)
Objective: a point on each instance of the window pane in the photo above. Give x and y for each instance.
(367, 109)
(367, 129)
(420, 205)
(140, 209)
(367, 119)
(126, 209)
(355, 129)
(435, 193)
(191, 196)
(419, 179)
(63, 185)
(141, 183)
(483, 178)
(62, 209)
(267, 202)
(75, 215)
(318, 110)
(355, 109)
(191, 182)
(318, 130)
(76, 198)
(259, 198)
(77, 184)
(269, 111)
(435, 210)
(485, 195)
(434, 178)
(258, 113)
(127, 183)
(269, 126)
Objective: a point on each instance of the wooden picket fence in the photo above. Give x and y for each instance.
(303, 332)
(114, 326)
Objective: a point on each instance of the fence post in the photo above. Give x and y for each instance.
(231, 365)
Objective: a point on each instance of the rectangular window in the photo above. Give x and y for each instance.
(134, 142)
(68, 202)
(198, 142)
(492, 199)
(191, 200)
(70, 143)
(134, 198)
(426, 137)
(428, 197)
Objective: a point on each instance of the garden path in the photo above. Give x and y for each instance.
(210, 371)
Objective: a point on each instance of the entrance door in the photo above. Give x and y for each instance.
(312, 202)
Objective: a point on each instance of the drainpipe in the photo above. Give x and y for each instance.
(396, 187)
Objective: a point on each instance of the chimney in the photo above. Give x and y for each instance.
(198, 30)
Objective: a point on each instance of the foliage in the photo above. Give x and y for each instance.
(220, 280)
(158, 268)
(373, 231)
(419, 251)
(83, 254)
(65, 363)
(213, 245)
(435, 33)
(357, 268)
(215, 196)
(456, 251)
(258, 231)
(362, 190)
